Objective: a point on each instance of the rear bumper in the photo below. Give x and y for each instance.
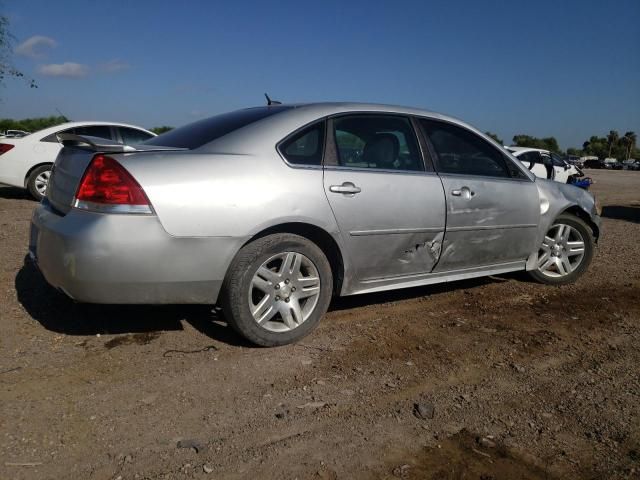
(106, 258)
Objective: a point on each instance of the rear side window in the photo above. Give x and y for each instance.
(198, 133)
(102, 131)
(463, 152)
(131, 136)
(305, 147)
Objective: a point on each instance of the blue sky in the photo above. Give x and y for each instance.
(567, 69)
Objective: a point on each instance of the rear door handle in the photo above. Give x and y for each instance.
(464, 192)
(346, 188)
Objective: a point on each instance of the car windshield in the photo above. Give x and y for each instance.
(197, 134)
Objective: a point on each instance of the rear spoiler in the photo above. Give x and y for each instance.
(97, 144)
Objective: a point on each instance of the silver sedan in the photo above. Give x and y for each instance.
(271, 211)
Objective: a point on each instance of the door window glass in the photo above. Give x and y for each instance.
(463, 152)
(377, 141)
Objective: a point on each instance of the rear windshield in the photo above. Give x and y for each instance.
(196, 134)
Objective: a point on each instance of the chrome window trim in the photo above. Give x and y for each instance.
(486, 177)
(380, 170)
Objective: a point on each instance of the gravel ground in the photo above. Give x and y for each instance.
(486, 379)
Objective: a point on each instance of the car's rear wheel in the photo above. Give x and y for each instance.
(277, 289)
(38, 181)
(566, 251)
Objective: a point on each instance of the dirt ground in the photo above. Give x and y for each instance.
(513, 380)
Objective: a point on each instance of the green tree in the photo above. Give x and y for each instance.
(7, 70)
(629, 141)
(31, 124)
(574, 151)
(495, 137)
(597, 147)
(547, 143)
(612, 140)
(159, 130)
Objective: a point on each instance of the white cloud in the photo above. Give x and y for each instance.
(35, 47)
(66, 69)
(113, 66)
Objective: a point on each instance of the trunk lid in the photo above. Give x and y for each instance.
(73, 160)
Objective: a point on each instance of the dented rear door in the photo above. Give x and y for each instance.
(394, 224)
(389, 207)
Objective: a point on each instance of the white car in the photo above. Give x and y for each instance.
(26, 162)
(546, 164)
(14, 133)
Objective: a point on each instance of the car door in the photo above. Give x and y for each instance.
(388, 204)
(492, 205)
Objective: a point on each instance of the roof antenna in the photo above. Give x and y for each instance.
(62, 114)
(271, 102)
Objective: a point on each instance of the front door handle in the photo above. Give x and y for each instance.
(346, 188)
(464, 192)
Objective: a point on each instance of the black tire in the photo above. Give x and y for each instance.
(589, 248)
(31, 181)
(235, 289)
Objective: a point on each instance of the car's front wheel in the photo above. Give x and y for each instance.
(277, 289)
(566, 251)
(38, 181)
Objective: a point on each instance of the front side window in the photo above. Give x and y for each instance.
(463, 152)
(305, 147)
(377, 141)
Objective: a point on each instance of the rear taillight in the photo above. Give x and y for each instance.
(5, 147)
(107, 186)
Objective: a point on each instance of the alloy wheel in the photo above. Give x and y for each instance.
(561, 252)
(284, 292)
(41, 182)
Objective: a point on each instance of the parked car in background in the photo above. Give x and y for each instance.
(574, 160)
(546, 164)
(14, 134)
(612, 164)
(269, 213)
(594, 163)
(26, 161)
(631, 164)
